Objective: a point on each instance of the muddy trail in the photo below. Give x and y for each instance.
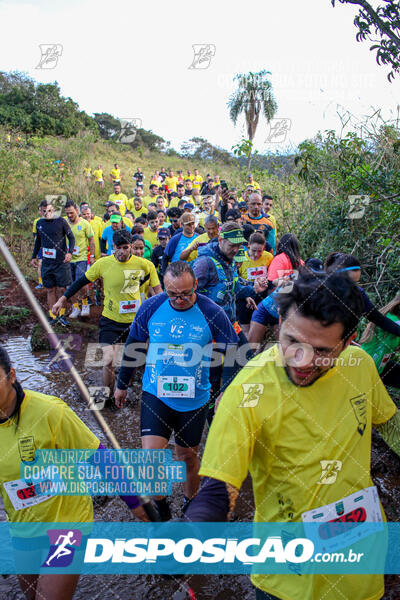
(33, 372)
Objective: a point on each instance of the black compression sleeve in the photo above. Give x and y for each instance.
(76, 286)
(36, 248)
(211, 503)
(103, 246)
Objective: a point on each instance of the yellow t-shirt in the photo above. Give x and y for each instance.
(98, 174)
(115, 174)
(191, 177)
(151, 236)
(203, 216)
(286, 437)
(97, 226)
(87, 171)
(155, 182)
(82, 233)
(174, 202)
(197, 181)
(44, 422)
(250, 269)
(121, 200)
(152, 281)
(121, 281)
(171, 183)
(202, 239)
(255, 185)
(147, 199)
(34, 230)
(138, 213)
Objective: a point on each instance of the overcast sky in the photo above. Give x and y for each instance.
(132, 59)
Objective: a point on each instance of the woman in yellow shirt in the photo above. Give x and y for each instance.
(256, 264)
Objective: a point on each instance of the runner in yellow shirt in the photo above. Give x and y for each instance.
(257, 259)
(150, 232)
(87, 172)
(171, 181)
(118, 198)
(153, 193)
(122, 275)
(151, 286)
(197, 180)
(251, 182)
(115, 174)
(84, 239)
(98, 176)
(189, 176)
(299, 417)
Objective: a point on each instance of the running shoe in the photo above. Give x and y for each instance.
(63, 321)
(85, 312)
(74, 314)
(39, 286)
(51, 319)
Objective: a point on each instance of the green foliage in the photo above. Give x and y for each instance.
(326, 218)
(383, 21)
(10, 316)
(39, 108)
(200, 149)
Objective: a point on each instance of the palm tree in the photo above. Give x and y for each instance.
(253, 95)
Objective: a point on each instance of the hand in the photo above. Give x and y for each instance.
(120, 397)
(61, 302)
(250, 303)
(225, 196)
(260, 285)
(68, 257)
(34, 262)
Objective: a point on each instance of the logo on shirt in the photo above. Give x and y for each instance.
(251, 394)
(26, 447)
(63, 543)
(330, 470)
(359, 405)
(132, 281)
(177, 327)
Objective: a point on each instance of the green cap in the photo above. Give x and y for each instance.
(240, 256)
(115, 218)
(235, 236)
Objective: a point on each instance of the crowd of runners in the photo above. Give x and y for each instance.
(240, 335)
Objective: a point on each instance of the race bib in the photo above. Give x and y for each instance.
(76, 251)
(360, 507)
(22, 495)
(118, 201)
(169, 386)
(128, 306)
(254, 272)
(48, 252)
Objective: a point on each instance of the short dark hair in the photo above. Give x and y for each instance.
(174, 212)
(136, 237)
(257, 238)
(248, 230)
(178, 268)
(151, 215)
(153, 185)
(140, 220)
(121, 236)
(326, 298)
(70, 203)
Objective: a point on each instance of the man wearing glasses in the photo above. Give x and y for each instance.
(180, 326)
